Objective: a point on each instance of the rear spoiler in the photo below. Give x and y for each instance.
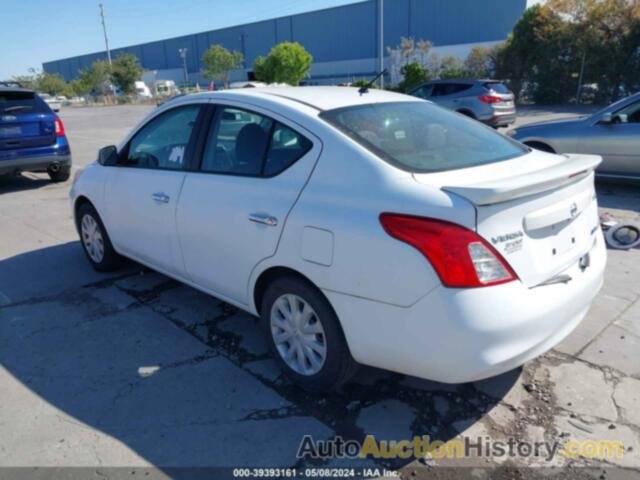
(573, 169)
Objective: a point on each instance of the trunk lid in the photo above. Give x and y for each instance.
(25, 121)
(539, 210)
(499, 90)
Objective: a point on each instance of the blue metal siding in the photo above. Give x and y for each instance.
(341, 33)
(258, 40)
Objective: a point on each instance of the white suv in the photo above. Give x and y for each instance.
(362, 227)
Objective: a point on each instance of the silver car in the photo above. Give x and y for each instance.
(488, 101)
(613, 133)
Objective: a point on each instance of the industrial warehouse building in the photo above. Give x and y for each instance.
(344, 41)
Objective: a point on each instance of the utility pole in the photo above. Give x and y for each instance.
(579, 92)
(183, 55)
(381, 41)
(104, 29)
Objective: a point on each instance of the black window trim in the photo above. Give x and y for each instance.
(188, 164)
(214, 110)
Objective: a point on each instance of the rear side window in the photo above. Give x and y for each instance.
(286, 147)
(443, 89)
(246, 143)
(19, 102)
(421, 137)
(237, 143)
(497, 87)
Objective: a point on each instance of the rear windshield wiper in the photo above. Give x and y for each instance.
(18, 107)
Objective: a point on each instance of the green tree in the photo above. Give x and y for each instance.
(125, 71)
(414, 74)
(516, 58)
(288, 62)
(53, 84)
(364, 83)
(94, 79)
(218, 62)
(552, 44)
(27, 81)
(79, 88)
(452, 68)
(478, 63)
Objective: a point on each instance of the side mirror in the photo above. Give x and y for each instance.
(108, 156)
(607, 118)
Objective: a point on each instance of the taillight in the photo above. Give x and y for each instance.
(460, 257)
(489, 99)
(59, 127)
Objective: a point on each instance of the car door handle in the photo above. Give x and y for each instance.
(161, 197)
(263, 218)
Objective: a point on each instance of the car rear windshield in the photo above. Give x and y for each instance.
(19, 102)
(421, 137)
(497, 87)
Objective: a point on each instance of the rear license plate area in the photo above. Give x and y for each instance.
(13, 131)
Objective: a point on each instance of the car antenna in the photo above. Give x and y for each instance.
(365, 88)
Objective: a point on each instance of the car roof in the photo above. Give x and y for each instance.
(318, 98)
(16, 89)
(464, 80)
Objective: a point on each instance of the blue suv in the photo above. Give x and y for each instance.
(32, 137)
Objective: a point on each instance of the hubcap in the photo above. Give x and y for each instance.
(298, 334)
(92, 238)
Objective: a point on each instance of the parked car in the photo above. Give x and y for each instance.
(142, 90)
(32, 137)
(363, 228)
(166, 88)
(488, 101)
(54, 103)
(613, 133)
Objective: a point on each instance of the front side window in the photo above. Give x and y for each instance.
(421, 137)
(246, 143)
(162, 143)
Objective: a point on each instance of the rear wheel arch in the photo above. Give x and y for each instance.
(538, 145)
(467, 113)
(273, 273)
(269, 275)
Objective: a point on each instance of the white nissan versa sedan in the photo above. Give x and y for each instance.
(362, 227)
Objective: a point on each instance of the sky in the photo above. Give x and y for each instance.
(37, 31)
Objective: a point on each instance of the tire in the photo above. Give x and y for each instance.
(61, 175)
(93, 243)
(337, 366)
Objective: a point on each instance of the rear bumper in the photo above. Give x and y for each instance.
(501, 119)
(463, 335)
(35, 163)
